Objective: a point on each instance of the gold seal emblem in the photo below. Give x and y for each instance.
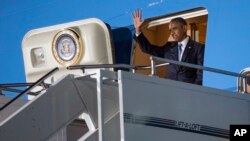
(67, 47)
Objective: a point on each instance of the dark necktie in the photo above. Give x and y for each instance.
(179, 51)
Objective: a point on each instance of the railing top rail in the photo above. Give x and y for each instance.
(199, 67)
(41, 80)
(118, 66)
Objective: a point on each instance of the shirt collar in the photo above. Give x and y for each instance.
(184, 42)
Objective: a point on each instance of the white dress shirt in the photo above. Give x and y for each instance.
(183, 45)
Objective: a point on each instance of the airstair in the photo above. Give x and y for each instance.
(90, 97)
(126, 106)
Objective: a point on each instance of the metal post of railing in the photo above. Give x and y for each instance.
(153, 69)
(243, 81)
(245, 84)
(100, 105)
(133, 70)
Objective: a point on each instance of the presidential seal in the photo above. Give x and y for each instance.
(67, 47)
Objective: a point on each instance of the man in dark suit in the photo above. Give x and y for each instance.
(182, 49)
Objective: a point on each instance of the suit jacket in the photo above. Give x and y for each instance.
(193, 53)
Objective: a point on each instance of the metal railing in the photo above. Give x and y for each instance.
(12, 87)
(242, 82)
(31, 86)
(154, 59)
(154, 65)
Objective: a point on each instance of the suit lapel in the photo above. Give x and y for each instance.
(187, 50)
(177, 67)
(176, 52)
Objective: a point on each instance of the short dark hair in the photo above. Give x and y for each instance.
(179, 20)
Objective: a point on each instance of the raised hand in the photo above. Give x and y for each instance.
(137, 18)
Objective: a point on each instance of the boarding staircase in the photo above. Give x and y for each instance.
(126, 106)
(100, 99)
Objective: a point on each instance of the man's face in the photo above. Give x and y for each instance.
(178, 31)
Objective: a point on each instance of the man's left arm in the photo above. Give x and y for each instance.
(200, 61)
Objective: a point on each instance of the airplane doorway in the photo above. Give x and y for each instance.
(157, 32)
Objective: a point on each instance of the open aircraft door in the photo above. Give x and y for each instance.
(76, 43)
